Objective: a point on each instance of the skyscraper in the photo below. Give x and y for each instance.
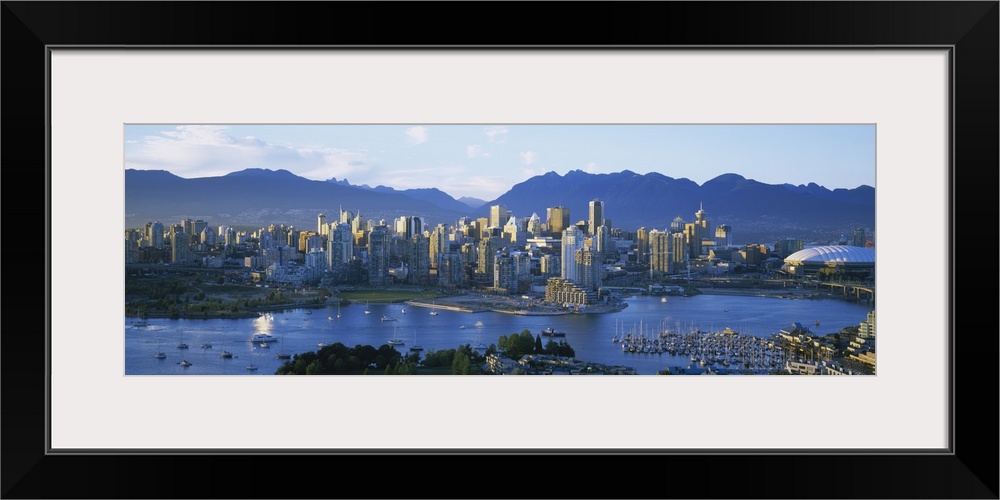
(858, 238)
(558, 220)
(438, 244)
(596, 217)
(572, 240)
(588, 268)
(723, 236)
(321, 227)
(659, 251)
(378, 255)
(641, 245)
(498, 215)
(340, 246)
(696, 232)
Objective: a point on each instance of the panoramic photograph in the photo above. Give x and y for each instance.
(499, 249)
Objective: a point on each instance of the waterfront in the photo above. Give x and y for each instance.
(300, 330)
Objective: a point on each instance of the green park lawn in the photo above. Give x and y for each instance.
(386, 296)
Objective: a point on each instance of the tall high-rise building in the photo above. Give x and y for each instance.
(154, 234)
(679, 250)
(596, 216)
(452, 270)
(321, 227)
(438, 244)
(408, 226)
(724, 236)
(588, 268)
(572, 240)
(558, 220)
(642, 246)
(178, 247)
(677, 225)
(339, 246)
(418, 256)
(534, 225)
(378, 255)
(488, 247)
(859, 238)
(603, 245)
(498, 215)
(697, 232)
(660, 251)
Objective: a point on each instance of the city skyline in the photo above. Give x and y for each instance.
(484, 161)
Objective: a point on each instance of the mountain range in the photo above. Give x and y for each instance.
(757, 212)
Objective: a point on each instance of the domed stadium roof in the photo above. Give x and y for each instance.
(833, 254)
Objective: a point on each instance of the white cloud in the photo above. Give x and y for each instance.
(528, 173)
(476, 150)
(417, 135)
(496, 134)
(207, 151)
(590, 167)
(529, 157)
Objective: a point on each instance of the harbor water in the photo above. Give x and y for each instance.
(590, 335)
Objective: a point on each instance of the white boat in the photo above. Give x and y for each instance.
(395, 340)
(263, 337)
(551, 332)
(309, 311)
(226, 354)
(663, 299)
(434, 313)
(402, 311)
(251, 367)
(159, 354)
(264, 345)
(184, 363)
(368, 309)
(139, 324)
(388, 318)
(206, 346)
(182, 345)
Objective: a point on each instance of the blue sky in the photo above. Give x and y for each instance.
(484, 161)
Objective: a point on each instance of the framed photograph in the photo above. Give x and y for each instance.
(906, 90)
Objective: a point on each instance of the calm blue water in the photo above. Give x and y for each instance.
(590, 335)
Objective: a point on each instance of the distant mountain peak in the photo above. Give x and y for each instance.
(261, 172)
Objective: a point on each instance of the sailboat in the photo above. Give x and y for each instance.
(433, 311)
(159, 353)
(416, 347)
(368, 309)
(338, 309)
(395, 340)
(251, 367)
(282, 354)
(181, 344)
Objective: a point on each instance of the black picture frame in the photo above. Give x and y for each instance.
(969, 28)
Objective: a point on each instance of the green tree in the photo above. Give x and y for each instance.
(461, 364)
(538, 344)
